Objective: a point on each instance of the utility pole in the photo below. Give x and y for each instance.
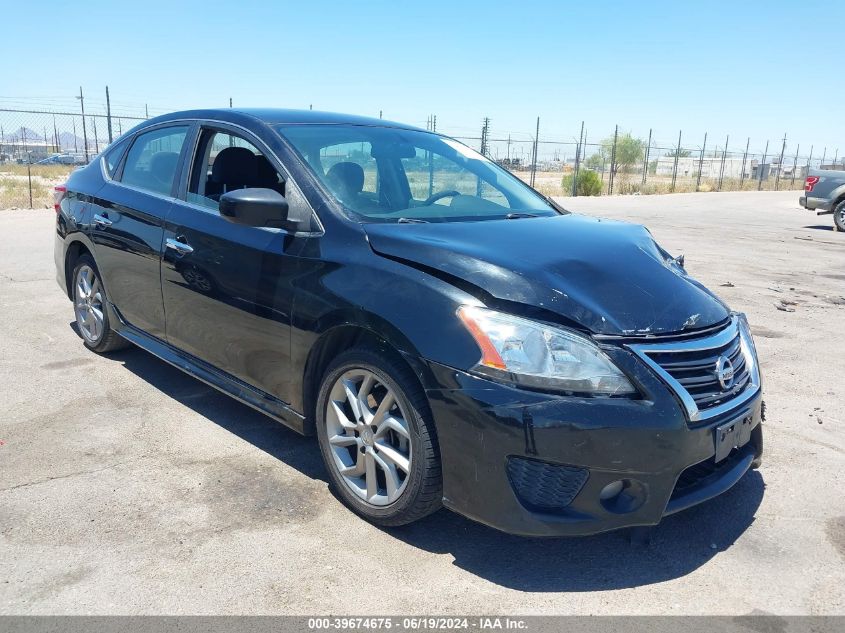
(56, 134)
(108, 113)
(484, 132)
(146, 111)
(84, 128)
(433, 121)
(379, 113)
(230, 102)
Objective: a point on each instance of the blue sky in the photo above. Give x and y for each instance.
(743, 68)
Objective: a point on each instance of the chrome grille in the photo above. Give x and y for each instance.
(690, 368)
(696, 371)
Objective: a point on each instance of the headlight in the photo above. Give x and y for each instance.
(748, 347)
(541, 356)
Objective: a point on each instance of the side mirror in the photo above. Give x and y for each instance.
(255, 207)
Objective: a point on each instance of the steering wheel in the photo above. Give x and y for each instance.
(450, 193)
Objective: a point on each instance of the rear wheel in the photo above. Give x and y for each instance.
(377, 439)
(839, 216)
(89, 307)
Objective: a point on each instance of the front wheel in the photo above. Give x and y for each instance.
(377, 439)
(839, 216)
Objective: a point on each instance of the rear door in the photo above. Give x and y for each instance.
(127, 226)
(228, 288)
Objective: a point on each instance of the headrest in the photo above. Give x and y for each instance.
(234, 165)
(163, 165)
(347, 178)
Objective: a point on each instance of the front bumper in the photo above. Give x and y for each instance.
(495, 440)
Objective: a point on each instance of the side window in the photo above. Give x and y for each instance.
(429, 173)
(225, 162)
(153, 159)
(114, 154)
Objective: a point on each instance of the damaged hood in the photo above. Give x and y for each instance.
(609, 277)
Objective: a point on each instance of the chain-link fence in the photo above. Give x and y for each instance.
(39, 148)
(621, 163)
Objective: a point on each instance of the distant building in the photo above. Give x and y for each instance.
(710, 167)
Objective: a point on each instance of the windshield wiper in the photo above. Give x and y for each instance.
(411, 221)
(517, 216)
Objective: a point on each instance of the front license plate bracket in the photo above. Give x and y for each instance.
(732, 435)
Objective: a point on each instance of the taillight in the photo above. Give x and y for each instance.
(810, 182)
(59, 193)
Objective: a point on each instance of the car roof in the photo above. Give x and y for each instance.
(278, 116)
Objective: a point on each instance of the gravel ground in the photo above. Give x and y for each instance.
(127, 487)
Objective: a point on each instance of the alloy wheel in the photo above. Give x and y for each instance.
(88, 304)
(368, 435)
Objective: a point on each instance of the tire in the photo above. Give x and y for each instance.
(391, 454)
(90, 308)
(839, 217)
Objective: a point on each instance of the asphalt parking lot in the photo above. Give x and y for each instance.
(127, 487)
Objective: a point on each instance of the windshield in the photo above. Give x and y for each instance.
(393, 175)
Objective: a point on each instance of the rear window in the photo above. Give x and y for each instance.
(153, 159)
(114, 154)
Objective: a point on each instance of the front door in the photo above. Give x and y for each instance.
(227, 288)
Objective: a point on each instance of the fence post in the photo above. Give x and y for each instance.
(96, 143)
(700, 163)
(824, 154)
(780, 163)
(795, 166)
(722, 166)
(577, 162)
(809, 160)
(645, 158)
(534, 160)
(29, 177)
(760, 169)
(675, 167)
(108, 113)
(84, 129)
(744, 159)
(612, 162)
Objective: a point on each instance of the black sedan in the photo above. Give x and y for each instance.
(451, 336)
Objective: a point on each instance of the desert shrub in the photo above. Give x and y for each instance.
(589, 183)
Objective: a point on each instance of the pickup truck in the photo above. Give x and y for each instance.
(824, 192)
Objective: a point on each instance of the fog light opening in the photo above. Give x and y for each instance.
(611, 490)
(623, 496)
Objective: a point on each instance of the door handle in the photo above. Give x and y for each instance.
(102, 221)
(180, 247)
